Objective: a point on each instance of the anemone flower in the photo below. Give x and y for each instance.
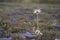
(37, 11)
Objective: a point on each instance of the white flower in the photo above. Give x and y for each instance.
(37, 11)
(38, 32)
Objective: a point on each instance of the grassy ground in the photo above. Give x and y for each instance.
(45, 20)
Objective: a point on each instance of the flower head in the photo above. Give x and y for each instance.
(37, 11)
(38, 32)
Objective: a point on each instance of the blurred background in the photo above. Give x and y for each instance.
(17, 15)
